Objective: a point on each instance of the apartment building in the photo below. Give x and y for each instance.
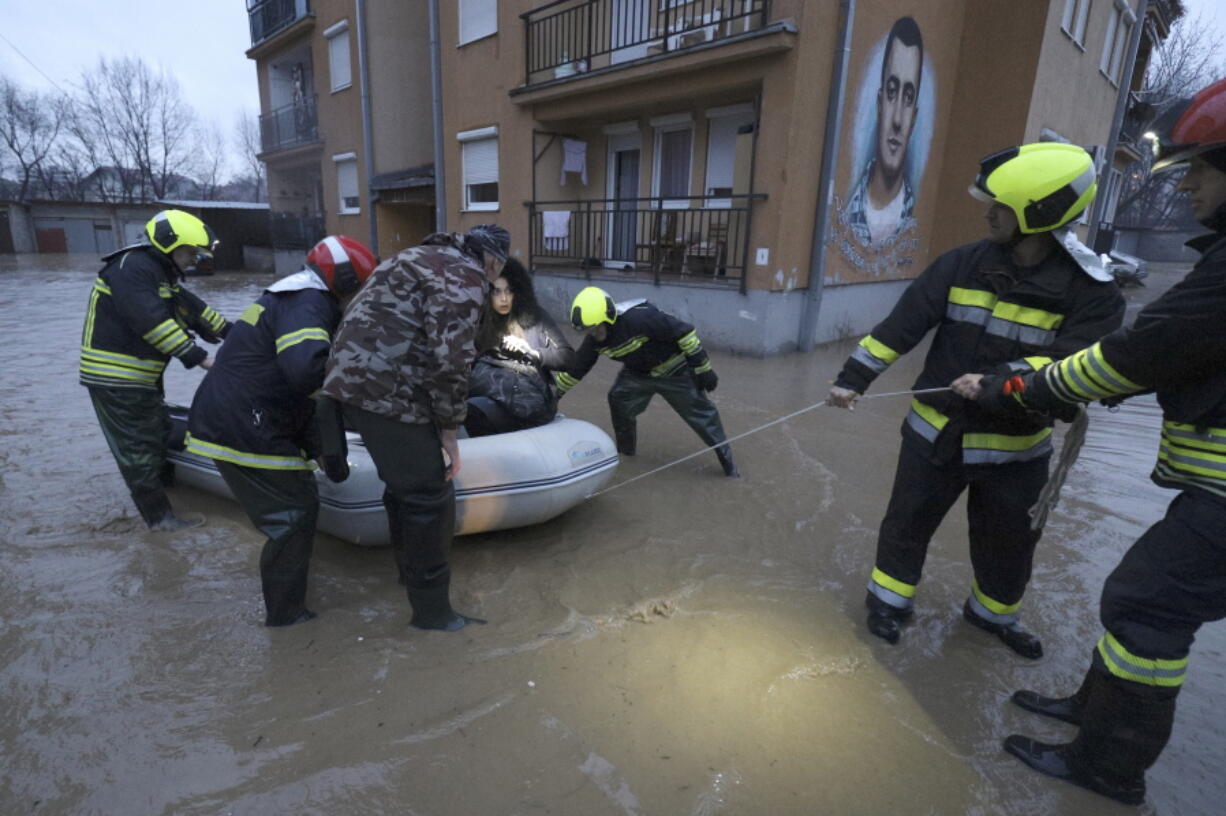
(345, 121)
(673, 149)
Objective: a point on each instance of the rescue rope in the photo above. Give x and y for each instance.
(754, 431)
(1069, 450)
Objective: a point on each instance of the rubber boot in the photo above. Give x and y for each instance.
(1012, 635)
(885, 621)
(1122, 735)
(725, 460)
(284, 580)
(1066, 709)
(155, 509)
(432, 609)
(627, 439)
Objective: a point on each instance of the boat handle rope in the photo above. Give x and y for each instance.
(754, 431)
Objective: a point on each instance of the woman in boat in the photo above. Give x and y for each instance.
(519, 347)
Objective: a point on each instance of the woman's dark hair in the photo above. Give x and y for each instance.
(524, 308)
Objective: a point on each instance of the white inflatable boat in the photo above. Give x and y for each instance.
(506, 480)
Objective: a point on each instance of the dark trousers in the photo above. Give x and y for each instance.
(284, 506)
(420, 502)
(630, 393)
(998, 500)
(136, 425)
(1169, 583)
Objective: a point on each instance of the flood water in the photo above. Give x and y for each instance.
(686, 645)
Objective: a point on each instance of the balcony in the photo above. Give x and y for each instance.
(703, 239)
(293, 125)
(569, 37)
(290, 231)
(270, 17)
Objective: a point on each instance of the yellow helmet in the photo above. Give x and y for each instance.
(591, 307)
(1046, 184)
(171, 229)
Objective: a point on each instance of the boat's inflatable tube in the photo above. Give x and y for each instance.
(506, 480)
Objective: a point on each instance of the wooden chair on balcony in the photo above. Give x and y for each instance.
(665, 250)
(709, 256)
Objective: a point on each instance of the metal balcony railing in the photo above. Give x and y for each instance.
(290, 126)
(572, 36)
(290, 231)
(267, 17)
(699, 238)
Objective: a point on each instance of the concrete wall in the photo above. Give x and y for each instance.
(1155, 245)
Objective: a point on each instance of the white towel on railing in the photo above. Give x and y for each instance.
(574, 159)
(556, 225)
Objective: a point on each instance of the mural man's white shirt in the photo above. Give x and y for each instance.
(882, 223)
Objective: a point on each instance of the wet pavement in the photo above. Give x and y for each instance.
(685, 645)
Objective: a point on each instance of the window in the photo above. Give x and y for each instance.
(1119, 27)
(347, 183)
(478, 18)
(479, 158)
(338, 55)
(1115, 183)
(1076, 12)
(673, 155)
(729, 141)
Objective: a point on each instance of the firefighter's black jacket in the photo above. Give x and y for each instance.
(991, 317)
(254, 407)
(648, 341)
(1176, 346)
(138, 318)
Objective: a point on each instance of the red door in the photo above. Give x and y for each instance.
(51, 239)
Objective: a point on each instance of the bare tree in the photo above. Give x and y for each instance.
(210, 161)
(136, 121)
(30, 124)
(247, 140)
(1186, 61)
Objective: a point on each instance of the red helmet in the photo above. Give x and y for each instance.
(1192, 127)
(342, 262)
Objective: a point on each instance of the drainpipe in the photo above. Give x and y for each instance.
(1113, 138)
(807, 337)
(436, 103)
(368, 136)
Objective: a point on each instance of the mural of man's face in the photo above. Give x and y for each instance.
(896, 101)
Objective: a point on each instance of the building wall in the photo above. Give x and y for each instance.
(995, 72)
(399, 39)
(340, 119)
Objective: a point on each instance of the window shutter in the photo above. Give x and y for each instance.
(481, 161)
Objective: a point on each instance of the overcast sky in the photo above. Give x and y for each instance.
(201, 44)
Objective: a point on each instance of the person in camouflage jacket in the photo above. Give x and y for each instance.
(399, 369)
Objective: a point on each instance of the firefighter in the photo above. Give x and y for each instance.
(254, 416)
(138, 318)
(660, 355)
(399, 367)
(1010, 303)
(1173, 579)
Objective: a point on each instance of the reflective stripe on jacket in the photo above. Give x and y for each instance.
(990, 317)
(1176, 347)
(138, 318)
(647, 340)
(254, 406)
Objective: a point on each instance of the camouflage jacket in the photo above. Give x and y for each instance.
(405, 344)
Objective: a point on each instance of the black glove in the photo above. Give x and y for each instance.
(706, 380)
(1002, 395)
(333, 449)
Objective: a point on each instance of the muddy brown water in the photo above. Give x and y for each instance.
(686, 645)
